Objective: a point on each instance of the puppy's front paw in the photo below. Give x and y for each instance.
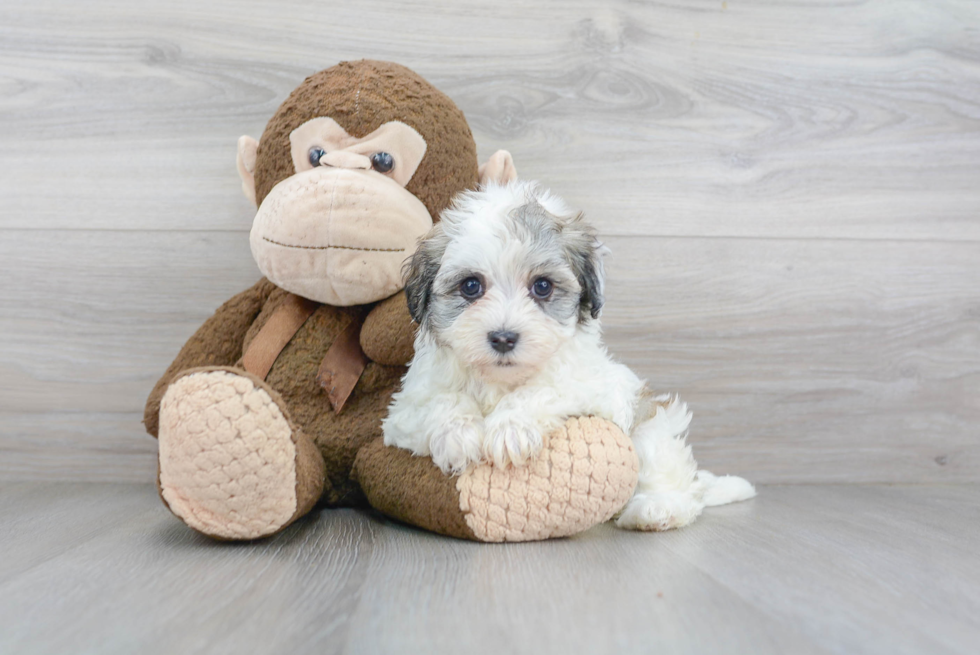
(456, 444)
(511, 440)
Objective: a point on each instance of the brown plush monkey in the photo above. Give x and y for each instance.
(275, 403)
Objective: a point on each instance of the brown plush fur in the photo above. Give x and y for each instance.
(388, 333)
(395, 481)
(360, 96)
(293, 376)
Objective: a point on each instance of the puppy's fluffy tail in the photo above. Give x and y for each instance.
(671, 491)
(721, 490)
(666, 460)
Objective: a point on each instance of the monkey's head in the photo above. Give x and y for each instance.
(350, 172)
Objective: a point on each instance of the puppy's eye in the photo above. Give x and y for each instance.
(316, 154)
(542, 288)
(382, 162)
(471, 288)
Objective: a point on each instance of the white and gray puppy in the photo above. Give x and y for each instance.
(507, 289)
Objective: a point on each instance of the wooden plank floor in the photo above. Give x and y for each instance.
(103, 568)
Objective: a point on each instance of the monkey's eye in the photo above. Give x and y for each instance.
(382, 162)
(542, 288)
(316, 153)
(471, 288)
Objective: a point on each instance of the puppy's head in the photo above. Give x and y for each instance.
(505, 278)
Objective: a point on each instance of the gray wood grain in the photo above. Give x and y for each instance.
(43, 521)
(754, 119)
(789, 191)
(841, 563)
(800, 569)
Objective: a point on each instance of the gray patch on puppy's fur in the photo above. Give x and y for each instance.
(579, 248)
(420, 272)
(587, 263)
(446, 303)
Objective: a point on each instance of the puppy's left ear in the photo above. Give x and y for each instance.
(593, 279)
(420, 273)
(585, 253)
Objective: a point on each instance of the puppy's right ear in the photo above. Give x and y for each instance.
(420, 273)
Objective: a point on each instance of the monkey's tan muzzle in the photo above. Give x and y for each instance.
(338, 236)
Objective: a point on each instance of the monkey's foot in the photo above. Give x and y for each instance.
(232, 466)
(585, 473)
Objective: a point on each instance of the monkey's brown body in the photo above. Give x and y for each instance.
(337, 435)
(247, 448)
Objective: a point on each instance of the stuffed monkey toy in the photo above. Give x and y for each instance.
(275, 404)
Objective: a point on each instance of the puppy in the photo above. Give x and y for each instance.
(507, 290)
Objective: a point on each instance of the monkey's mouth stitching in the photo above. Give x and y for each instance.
(286, 245)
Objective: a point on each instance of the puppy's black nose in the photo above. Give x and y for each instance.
(503, 342)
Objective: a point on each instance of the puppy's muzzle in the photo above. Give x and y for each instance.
(503, 342)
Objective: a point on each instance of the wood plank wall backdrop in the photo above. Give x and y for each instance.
(791, 191)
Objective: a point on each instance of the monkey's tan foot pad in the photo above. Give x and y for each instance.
(231, 464)
(586, 472)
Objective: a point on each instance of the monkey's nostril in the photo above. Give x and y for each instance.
(503, 342)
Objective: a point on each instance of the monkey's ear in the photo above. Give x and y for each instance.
(247, 150)
(499, 169)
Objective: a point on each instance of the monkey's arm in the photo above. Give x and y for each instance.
(388, 334)
(218, 342)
